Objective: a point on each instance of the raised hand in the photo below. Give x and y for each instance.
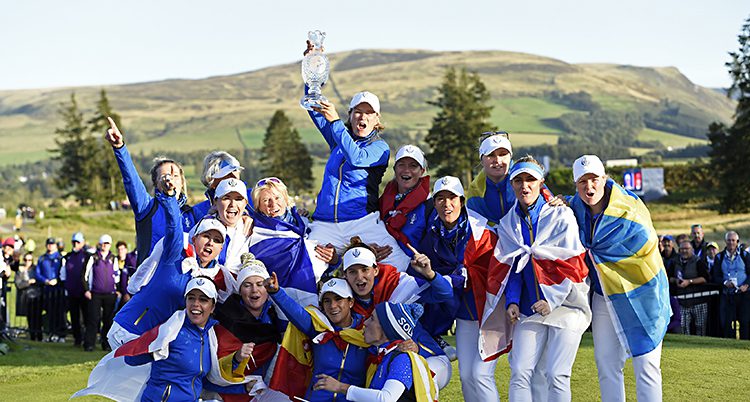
(245, 351)
(421, 263)
(328, 110)
(327, 254)
(113, 135)
(272, 283)
(310, 47)
(381, 252)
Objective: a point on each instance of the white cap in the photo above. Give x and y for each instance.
(365, 97)
(105, 239)
(338, 286)
(411, 151)
(225, 168)
(448, 183)
(206, 224)
(251, 267)
(494, 142)
(204, 285)
(231, 185)
(359, 255)
(587, 164)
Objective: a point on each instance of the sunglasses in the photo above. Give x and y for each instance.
(28, 259)
(262, 182)
(488, 134)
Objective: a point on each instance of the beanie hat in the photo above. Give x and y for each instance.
(398, 320)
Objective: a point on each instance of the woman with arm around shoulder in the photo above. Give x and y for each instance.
(616, 229)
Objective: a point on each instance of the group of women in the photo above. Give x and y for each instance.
(245, 297)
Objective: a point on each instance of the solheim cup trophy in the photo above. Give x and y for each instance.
(315, 67)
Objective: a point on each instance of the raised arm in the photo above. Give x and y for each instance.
(140, 200)
(173, 237)
(293, 311)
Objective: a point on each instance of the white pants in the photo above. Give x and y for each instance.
(477, 376)
(610, 359)
(118, 336)
(441, 366)
(538, 345)
(369, 228)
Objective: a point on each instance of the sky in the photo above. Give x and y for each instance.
(46, 43)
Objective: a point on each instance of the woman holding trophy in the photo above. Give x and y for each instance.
(347, 204)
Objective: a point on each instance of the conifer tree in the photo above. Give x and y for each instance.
(461, 119)
(107, 171)
(285, 156)
(77, 161)
(730, 146)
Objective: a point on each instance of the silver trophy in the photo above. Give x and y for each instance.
(315, 68)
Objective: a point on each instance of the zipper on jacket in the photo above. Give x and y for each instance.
(531, 237)
(200, 366)
(338, 190)
(140, 317)
(502, 205)
(167, 391)
(341, 369)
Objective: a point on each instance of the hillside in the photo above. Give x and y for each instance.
(209, 113)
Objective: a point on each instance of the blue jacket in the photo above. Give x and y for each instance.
(163, 295)
(394, 366)
(182, 375)
(48, 267)
(523, 287)
(347, 366)
(445, 249)
(352, 176)
(150, 219)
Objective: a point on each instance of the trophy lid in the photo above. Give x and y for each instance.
(316, 37)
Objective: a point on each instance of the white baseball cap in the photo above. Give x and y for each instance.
(448, 183)
(359, 255)
(225, 168)
(587, 164)
(105, 239)
(206, 224)
(494, 142)
(411, 151)
(231, 185)
(365, 97)
(338, 286)
(204, 285)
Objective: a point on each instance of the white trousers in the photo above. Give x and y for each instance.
(441, 366)
(610, 359)
(537, 345)
(369, 228)
(477, 376)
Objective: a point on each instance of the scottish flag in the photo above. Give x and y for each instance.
(624, 250)
(284, 250)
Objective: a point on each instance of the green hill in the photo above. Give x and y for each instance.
(209, 113)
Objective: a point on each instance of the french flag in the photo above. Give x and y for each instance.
(558, 259)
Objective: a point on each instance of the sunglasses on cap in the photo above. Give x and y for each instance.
(262, 182)
(488, 134)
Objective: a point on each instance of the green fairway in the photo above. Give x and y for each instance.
(525, 115)
(669, 139)
(712, 369)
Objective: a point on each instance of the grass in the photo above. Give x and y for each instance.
(53, 372)
(669, 139)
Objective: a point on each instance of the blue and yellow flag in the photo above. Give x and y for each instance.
(624, 248)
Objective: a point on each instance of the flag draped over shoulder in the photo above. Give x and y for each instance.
(115, 379)
(283, 249)
(624, 249)
(425, 389)
(293, 371)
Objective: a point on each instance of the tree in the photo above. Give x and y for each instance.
(285, 156)
(462, 117)
(730, 146)
(74, 152)
(107, 172)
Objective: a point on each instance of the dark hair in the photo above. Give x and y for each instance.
(121, 243)
(161, 160)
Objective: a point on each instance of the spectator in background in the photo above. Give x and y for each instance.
(101, 283)
(668, 254)
(127, 266)
(697, 241)
(689, 274)
(29, 297)
(70, 274)
(53, 295)
(9, 254)
(732, 271)
(709, 257)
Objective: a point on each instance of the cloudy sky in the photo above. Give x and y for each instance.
(46, 43)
